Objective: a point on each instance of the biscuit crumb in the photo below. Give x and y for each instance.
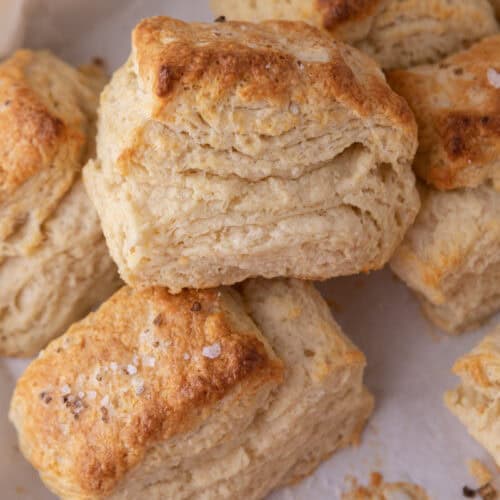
(212, 351)
(479, 472)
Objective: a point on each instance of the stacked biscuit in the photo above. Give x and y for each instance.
(233, 161)
(451, 256)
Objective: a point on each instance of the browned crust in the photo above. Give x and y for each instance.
(458, 112)
(482, 365)
(104, 443)
(252, 60)
(32, 136)
(336, 13)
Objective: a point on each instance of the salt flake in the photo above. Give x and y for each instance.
(212, 351)
(494, 77)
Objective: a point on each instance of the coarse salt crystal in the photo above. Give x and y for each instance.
(148, 361)
(105, 401)
(138, 384)
(65, 389)
(268, 66)
(211, 351)
(131, 370)
(494, 77)
(81, 394)
(113, 366)
(135, 359)
(294, 109)
(91, 395)
(187, 356)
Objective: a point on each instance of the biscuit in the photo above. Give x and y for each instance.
(232, 150)
(457, 106)
(496, 6)
(476, 400)
(206, 394)
(382, 490)
(397, 33)
(451, 256)
(53, 259)
(42, 293)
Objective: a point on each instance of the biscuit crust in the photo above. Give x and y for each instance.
(457, 107)
(397, 33)
(475, 400)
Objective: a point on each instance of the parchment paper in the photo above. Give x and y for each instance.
(411, 436)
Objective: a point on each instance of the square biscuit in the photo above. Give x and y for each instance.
(233, 150)
(212, 394)
(396, 33)
(457, 107)
(476, 401)
(451, 256)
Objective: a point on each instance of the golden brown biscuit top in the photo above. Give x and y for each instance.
(337, 13)
(457, 106)
(43, 119)
(146, 366)
(482, 365)
(274, 63)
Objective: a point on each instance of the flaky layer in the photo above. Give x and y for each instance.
(451, 256)
(476, 402)
(233, 171)
(43, 293)
(397, 33)
(206, 394)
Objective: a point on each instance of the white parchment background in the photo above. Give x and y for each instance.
(411, 435)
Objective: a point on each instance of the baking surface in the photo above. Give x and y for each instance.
(411, 436)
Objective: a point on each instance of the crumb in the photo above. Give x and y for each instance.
(212, 351)
(479, 472)
(220, 19)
